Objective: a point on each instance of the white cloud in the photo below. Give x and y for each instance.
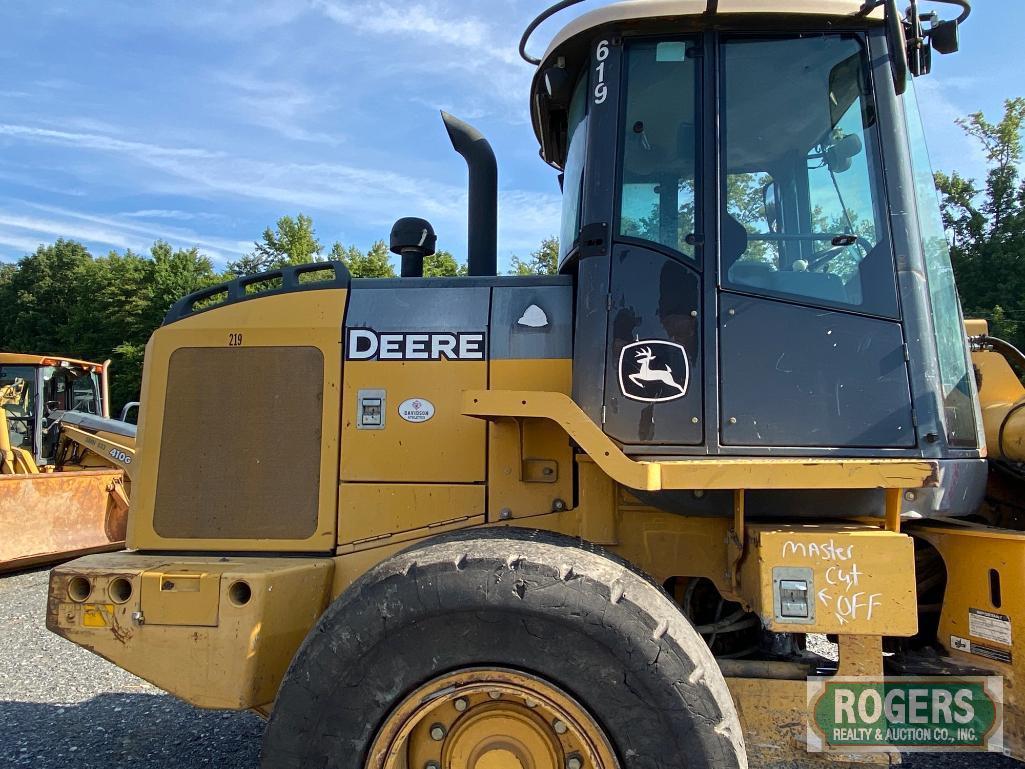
(19, 242)
(418, 21)
(374, 197)
(161, 213)
(286, 107)
(51, 229)
(99, 141)
(107, 232)
(481, 64)
(218, 248)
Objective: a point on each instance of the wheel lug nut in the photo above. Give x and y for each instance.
(461, 704)
(431, 765)
(574, 762)
(530, 703)
(560, 727)
(495, 695)
(437, 732)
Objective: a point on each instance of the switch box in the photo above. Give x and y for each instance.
(371, 410)
(793, 595)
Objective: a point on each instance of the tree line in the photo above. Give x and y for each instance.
(985, 223)
(63, 300)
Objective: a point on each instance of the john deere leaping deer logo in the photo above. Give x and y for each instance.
(654, 371)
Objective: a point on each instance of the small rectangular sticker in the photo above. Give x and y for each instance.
(989, 626)
(97, 614)
(979, 650)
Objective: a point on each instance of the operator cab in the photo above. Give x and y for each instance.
(41, 387)
(750, 216)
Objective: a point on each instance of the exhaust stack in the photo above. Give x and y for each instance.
(482, 236)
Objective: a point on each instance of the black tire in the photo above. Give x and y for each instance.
(532, 601)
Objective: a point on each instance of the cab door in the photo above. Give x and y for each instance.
(654, 357)
(811, 345)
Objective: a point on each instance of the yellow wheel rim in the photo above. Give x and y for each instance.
(490, 719)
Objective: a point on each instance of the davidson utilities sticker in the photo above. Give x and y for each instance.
(416, 410)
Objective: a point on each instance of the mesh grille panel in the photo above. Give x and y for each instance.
(240, 452)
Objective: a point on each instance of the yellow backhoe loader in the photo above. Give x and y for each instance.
(596, 520)
(65, 466)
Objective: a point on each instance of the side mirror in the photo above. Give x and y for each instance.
(945, 37)
(839, 155)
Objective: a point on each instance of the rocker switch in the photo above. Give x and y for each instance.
(793, 595)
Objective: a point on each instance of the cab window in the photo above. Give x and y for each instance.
(658, 191)
(85, 393)
(71, 389)
(17, 385)
(573, 182)
(802, 213)
(948, 322)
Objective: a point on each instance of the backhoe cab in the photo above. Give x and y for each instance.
(435, 529)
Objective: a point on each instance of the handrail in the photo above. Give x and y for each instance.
(705, 472)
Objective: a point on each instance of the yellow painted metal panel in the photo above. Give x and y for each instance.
(236, 664)
(774, 717)
(976, 327)
(1001, 396)
(533, 375)
(530, 461)
(970, 552)
(448, 448)
(180, 596)
(862, 578)
(309, 319)
(381, 510)
(704, 472)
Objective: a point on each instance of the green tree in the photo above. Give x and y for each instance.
(375, 263)
(443, 265)
(43, 292)
(63, 301)
(291, 241)
(543, 261)
(176, 273)
(986, 223)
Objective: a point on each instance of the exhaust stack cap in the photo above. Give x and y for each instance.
(413, 239)
(482, 239)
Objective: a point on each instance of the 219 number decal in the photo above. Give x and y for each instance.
(601, 90)
(234, 340)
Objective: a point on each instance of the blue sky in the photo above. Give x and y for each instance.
(202, 123)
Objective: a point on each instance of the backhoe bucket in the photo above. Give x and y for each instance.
(51, 517)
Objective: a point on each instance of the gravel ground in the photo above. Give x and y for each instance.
(61, 706)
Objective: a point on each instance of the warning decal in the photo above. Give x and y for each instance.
(980, 650)
(992, 627)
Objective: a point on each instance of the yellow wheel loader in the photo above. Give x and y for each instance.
(591, 520)
(65, 466)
